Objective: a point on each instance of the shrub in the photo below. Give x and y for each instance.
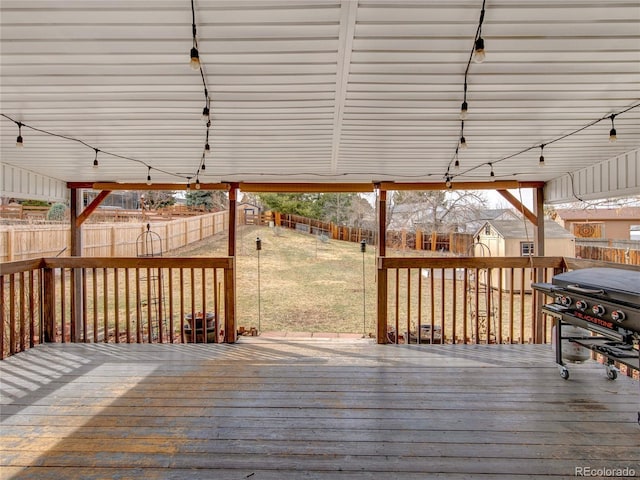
(57, 212)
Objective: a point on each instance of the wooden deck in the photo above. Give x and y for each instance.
(310, 409)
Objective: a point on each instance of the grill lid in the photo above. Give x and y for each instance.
(615, 284)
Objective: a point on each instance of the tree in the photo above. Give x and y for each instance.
(436, 211)
(208, 199)
(327, 207)
(154, 199)
(303, 204)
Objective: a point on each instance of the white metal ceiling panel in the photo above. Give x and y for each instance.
(317, 90)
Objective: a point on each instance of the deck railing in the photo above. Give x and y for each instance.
(119, 300)
(463, 299)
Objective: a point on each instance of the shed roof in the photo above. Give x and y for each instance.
(523, 229)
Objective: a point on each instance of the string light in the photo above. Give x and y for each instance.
(541, 161)
(195, 56)
(479, 53)
(19, 142)
(205, 112)
(95, 160)
(148, 175)
(195, 59)
(612, 133)
(197, 183)
(188, 184)
(463, 142)
(456, 165)
(464, 109)
(207, 147)
(448, 183)
(492, 174)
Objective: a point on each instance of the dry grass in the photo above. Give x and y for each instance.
(305, 284)
(311, 286)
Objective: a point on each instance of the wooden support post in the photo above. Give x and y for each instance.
(76, 251)
(418, 239)
(434, 240)
(539, 334)
(230, 274)
(49, 305)
(382, 273)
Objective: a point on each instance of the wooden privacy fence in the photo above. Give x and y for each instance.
(104, 240)
(462, 299)
(114, 300)
(617, 251)
(458, 243)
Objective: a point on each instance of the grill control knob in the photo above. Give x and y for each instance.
(618, 315)
(566, 301)
(598, 310)
(581, 305)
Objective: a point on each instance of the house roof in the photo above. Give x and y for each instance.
(591, 214)
(317, 90)
(517, 229)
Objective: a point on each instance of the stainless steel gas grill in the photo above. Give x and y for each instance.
(604, 301)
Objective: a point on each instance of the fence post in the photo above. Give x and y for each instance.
(418, 239)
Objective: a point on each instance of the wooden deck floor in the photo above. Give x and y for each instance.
(268, 409)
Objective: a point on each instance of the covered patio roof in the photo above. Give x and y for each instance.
(319, 90)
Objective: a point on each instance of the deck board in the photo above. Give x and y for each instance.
(273, 409)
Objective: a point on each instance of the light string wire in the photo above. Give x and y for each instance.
(465, 88)
(448, 175)
(206, 111)
(548, 142)
(373, 174)
(88, 145)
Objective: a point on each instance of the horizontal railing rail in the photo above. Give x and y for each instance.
(129, 300)
(463, 299)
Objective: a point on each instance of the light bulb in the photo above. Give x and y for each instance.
(95, 160)
(479, 54)
(195, 59)
(612, 133)
(19, 142)
(541, 161)
(456, 166)
(463, 143)
(197, 184)
(447, 183)
(491, 174)
(207, 149)
(149, 176)
(203, 167)
(464, 111)
(205, 112)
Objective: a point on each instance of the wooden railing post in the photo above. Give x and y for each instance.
(49, 305)
(538, 273)
(382, 303)
(230, 273)
(382, 273)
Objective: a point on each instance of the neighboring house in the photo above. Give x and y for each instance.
(418, 216)
(604, 223)
(514, 238)
(473, 224)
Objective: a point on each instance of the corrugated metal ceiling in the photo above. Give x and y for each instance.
(315, 90)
